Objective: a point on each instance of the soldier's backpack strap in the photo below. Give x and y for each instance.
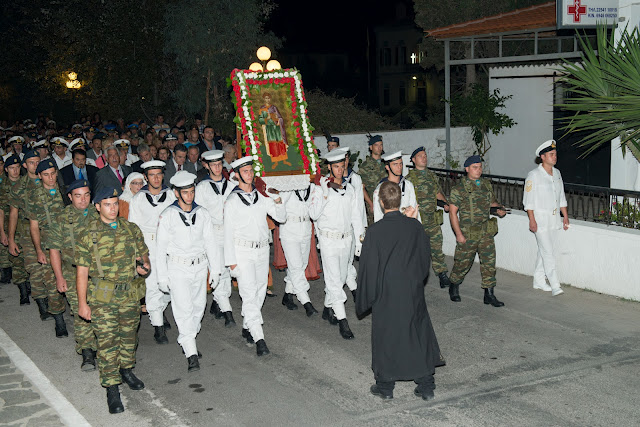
(46, 208)
(96, 253)
(72, 235)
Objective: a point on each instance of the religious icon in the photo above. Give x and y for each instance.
(273, 130)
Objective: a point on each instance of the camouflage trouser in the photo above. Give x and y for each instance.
(116, 327)
(18, 274)
(5, 257)
(82, 330)
(465, 255)
(437, 257)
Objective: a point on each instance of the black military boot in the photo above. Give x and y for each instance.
(261, 348)
(166, 323)
(28, 287)
(287, 301)
(43, 308)
(88, 360)
(489, 298)
(192, 363)
(130, 379)
(353, 294)
(24, 295)
(228, 319)
(247, 335)
(444, 280)
(160, 335)
(215, 310)
(5, 275)
(310, 309)
(345, 331)
(61, 327)
(327, 314)
(454, 293)
(113, 400)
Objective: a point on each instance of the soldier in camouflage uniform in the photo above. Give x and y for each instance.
(472, 198)
(112, 251)
(5, 261)
(372, 171)
(62, 242)
(428, 193)
(16, 263)
(44, 208)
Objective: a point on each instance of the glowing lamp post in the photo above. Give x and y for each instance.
(73, 82)
(263, 54)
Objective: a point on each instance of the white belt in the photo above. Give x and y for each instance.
(150, 236)
(546, 211)
(250, 244)
(298, 219)
(335, 235)
(187, 261)
(218, 227)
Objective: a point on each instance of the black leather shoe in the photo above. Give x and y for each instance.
(130, 379)
(61, 327)
(228, 319)
(345, 331)
(270, 294)
(247, 335)
(113, 400)
(444, 280)
(24, 295)
(43, 308)
(287, 301)
(425, 395)
(377, 392)
(353, 294)
(166, 323)
(160, 335)
(489, 298)
(88, 360)
(215, 310)
(261, 348)
(310, 309)
(454, 293)
(327, 314)
(193, 363)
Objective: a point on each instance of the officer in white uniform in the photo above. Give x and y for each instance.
(66, 159)
(144, 210)
(211, 193)
(15, 140)
(338, 219)
(185, 247)
(81, 143)
(393, 165)
(544, 200)
(295, 236)
(246, 246)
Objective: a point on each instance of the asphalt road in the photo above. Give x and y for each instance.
(570, 360)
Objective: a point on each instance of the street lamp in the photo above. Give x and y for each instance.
(73, 82)
(263, 54)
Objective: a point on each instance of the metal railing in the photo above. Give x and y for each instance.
(584, 202)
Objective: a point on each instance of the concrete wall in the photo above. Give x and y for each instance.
(408, 140)
(590, 256)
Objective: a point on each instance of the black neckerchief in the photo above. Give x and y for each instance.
(194, 207)
(306, 196)
(160, 200)
(401, 183)
(238, 191)
(215, 187)
(348, 177)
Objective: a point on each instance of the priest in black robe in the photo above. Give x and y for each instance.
(394, 266)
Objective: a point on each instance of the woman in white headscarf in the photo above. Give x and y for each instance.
(135, 181)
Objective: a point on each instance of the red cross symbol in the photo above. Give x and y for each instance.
(576, 10)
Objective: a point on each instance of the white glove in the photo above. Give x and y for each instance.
(358, 249)
(232, 176)
(274, 196)
(234, 272)
(324, 184)
(164, 286)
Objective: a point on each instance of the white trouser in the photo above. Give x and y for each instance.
(545, 262)
(252, 272)
(188, 287)
(221, 284)
(352, 274)
(297, 254)
(155, 299)
(335, 261)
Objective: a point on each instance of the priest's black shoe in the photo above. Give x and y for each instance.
(61, 327)
(345, 331)
(454, 292)
(88, 360)
(310, 309)
(247, 335)
(261, 348)
(160, 335)
(228, 319)
(215, 310)
(444, 280)
(287, 301)
(353, 294)
(24, 295)
(425, 395)
(43, 308)
(327, 314)
(129, 378)
(489, 298)
(375, 390)
(166, 323)
(192, 363)
(113, 400)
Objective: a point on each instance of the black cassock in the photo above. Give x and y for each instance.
(394, 265)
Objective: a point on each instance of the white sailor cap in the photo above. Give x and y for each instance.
(212, 155)
(335, 156)
(30, 126)
(345, 149)
(41, 143)
(59, 141)
(183, 179)
(153, 164)
(76, 142)
(16, 140)
(391, 157)
(243, 161)
(51, 122)
(77, 125)
(121, 143)
(546, 147)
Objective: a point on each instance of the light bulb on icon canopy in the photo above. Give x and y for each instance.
(273, 65)
(263, 53)
(72, 75)
(256, 67)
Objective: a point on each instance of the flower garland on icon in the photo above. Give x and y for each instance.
(246, 120)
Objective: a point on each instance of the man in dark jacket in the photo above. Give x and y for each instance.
(394, 265)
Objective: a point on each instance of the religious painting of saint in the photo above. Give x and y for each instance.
(273, 132)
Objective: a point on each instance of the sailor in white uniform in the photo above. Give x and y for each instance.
(393, 164)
